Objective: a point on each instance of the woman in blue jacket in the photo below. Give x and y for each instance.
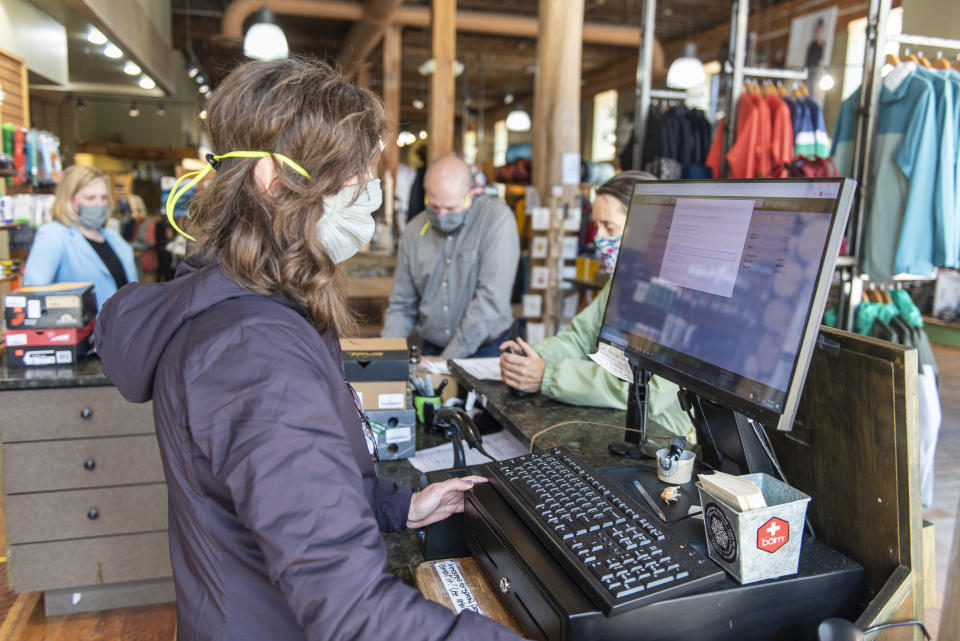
(75, 246)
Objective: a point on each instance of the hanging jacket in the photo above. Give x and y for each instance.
(275, 510)
(570, 376)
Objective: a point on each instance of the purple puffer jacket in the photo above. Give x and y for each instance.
(275, 510)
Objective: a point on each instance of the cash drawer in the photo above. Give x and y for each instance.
(80, 562)
(73, 514)
(72, 412)
(81, 463)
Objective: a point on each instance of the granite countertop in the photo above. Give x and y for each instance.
(86, 373)
(585, 430)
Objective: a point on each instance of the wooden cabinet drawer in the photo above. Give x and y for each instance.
(71, 412)
(74, 514)
(81, 562)
(81, 463)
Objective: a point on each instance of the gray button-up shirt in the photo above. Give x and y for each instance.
(455, 288)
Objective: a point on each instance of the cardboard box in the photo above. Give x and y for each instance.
(40, 347)
(50, 306)
(375, 359)
(382, 395)
(396, 433)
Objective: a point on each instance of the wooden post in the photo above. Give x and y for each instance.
(443, 30)
(363, 76)
(556, 113)
(391, 104)
(365, 35)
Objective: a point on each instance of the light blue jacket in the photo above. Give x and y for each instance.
(61, 254)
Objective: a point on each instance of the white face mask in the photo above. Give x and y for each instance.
(347, 226)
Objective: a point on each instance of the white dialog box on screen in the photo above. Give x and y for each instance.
(705, 244)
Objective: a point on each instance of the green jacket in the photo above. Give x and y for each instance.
(571, 377)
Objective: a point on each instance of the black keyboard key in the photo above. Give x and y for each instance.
(625, 590)
(661, 581)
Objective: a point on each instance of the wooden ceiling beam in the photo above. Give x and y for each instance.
(366, 34)
(417, 16)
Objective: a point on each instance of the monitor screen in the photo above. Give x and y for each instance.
(720, 286)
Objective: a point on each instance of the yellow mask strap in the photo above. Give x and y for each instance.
(214, 162)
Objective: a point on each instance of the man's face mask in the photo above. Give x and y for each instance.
(449, 221)
(347, 223)
(608, 248)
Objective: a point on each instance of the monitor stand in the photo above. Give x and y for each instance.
(729, 442)
(632, 445)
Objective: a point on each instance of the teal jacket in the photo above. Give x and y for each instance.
(571, 377)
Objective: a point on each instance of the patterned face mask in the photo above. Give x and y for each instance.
(608, 247)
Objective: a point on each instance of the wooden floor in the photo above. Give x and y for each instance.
(22, 615)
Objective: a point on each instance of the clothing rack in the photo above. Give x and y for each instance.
(873, 58)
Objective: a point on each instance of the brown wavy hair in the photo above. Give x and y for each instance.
(267, 242)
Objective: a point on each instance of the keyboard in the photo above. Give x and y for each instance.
(620, 555)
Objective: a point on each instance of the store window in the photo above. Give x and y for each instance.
(857, 39)
(604, 126)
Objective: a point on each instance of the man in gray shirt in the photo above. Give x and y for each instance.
(455, 269)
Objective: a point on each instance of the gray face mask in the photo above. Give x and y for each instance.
(92, 216)
(448, 222)
(347, 226)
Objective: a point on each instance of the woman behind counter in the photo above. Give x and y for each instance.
(75, 246)
(559, 367)
(275, 509)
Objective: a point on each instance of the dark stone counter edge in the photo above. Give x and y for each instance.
(86, 373)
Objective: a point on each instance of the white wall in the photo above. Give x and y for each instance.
(31, 34)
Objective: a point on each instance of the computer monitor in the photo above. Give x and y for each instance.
(720, 287)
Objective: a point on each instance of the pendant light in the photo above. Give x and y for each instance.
(687, 71)
(518, 120)
(264, 39)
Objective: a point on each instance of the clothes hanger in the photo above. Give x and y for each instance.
(781, 89)
(909, 57)
(941, 62)
(884, 296)
(956, 64)
(892, 60)
(923, 61)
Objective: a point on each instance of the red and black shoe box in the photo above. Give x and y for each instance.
(35, 347)
(58, 306)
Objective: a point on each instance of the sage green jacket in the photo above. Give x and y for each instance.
(571, 377)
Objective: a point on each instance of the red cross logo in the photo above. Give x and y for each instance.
(773, 535)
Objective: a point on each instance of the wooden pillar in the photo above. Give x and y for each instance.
(443, 19)
(391, 104)
(556, 111)
(363, 76)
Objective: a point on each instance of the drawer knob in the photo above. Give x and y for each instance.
(86, 412)
(89, 464)
(93, 514)
(504, 584)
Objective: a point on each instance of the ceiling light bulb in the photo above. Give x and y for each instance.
(418, 104)
(518, 120)
(95, 36)
(161, 110)
(193, 71)
(131, 68)
(508, 99)
(423, 134)
(264, 39)
(146, 82)
(687, 72)
(203, 114)
(81, 105)
(112, 51)
(134, 110)
(406, 138)
(205, 89)
(827, 82)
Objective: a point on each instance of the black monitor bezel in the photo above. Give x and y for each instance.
(781, 421)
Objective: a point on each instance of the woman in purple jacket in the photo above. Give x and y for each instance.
(275, 510)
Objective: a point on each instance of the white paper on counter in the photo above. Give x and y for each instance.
(614, 361)
(435, 367)
(484, 369)
(500, 445)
